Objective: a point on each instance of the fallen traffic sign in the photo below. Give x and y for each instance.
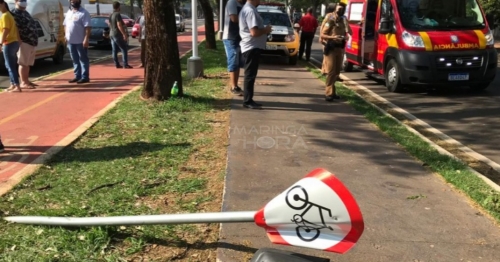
(317, 212)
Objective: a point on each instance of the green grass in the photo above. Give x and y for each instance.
(452, 170)
(134, 153)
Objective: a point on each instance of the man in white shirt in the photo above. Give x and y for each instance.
(253, 41)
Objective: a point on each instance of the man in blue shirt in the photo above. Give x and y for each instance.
(231, 38)
(77, 32)
(253, 41)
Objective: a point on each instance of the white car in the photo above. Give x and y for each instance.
(179, 21)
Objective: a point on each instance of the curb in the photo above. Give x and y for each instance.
(348, 83)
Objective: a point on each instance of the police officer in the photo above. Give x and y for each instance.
(334, 32)
(329, 14)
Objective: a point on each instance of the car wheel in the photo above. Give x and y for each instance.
(292, 60)
(392, 77)
(58, 57)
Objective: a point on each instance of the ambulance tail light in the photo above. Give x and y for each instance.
(490, 40)
(411, 40)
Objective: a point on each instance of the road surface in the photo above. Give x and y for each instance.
(471, 118)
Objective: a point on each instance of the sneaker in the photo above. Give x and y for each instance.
(82, 81)
(2, 148)
(74, 80)
(237, 91)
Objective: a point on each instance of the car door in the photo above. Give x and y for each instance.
(354, 47)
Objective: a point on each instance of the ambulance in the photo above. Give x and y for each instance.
(433, 43)
(49, 17)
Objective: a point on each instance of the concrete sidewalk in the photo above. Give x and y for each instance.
(263, 161)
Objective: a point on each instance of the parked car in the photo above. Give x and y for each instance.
(283, 40)
(100, 27)
(129, 22)
(48, 21)
(179, 21)
(136, 28)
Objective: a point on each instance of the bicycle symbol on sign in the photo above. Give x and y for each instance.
(298, 199)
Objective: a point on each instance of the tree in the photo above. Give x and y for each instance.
(492, 7)
(309, 3)
(163, 65)
(208, 13)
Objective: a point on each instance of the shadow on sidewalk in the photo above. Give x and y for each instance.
(100, 85)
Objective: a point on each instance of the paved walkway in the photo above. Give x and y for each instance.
(35, 124)
(441, 226)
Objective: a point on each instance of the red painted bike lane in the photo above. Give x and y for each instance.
(37, 123)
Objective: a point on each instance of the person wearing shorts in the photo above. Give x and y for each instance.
(29, 40)
(231, 38)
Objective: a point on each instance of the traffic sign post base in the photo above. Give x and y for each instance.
(276, 255)
(194, 67)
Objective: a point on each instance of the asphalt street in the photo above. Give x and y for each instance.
(470, 118)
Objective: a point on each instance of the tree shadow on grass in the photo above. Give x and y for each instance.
(86, 155)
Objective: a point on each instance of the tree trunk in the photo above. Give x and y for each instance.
(163, 65)
(208, 12)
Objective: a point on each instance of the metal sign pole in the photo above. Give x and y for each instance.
(225, 217)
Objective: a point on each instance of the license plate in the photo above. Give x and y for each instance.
(458, 77)
(271, 47)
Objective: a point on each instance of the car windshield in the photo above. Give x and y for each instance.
(276, 19)
(99, 22)
(421, 15)
(124, 16)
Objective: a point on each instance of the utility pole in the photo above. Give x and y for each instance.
(97, 7)
(195, 64)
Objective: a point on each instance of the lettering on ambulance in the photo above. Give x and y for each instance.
(456, 46)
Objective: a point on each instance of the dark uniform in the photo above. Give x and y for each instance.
(335, 26)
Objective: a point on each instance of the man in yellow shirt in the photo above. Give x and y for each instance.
(9, 39)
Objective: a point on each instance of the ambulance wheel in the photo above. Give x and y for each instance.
(58, 57)
(392, 78)
(346, 65)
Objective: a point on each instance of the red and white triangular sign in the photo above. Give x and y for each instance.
(317, 212)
